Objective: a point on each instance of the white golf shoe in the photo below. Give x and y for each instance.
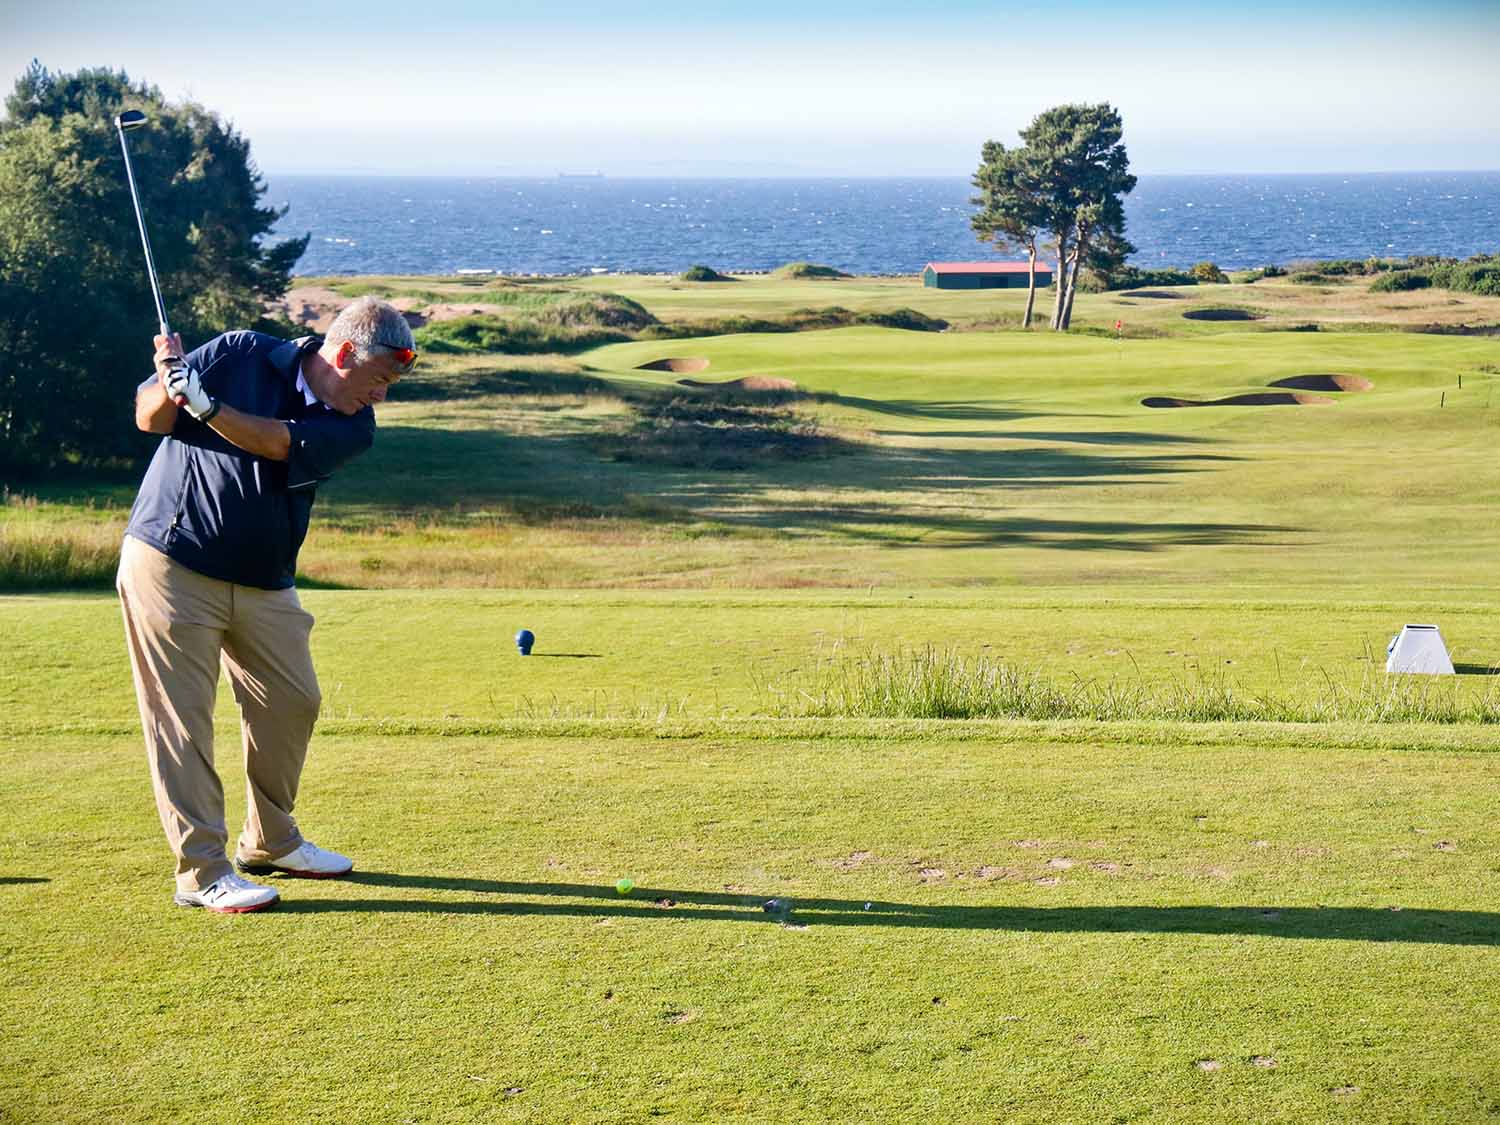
(230, 894)
(306, 861)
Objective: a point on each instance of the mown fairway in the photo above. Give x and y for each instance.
(1067, 920)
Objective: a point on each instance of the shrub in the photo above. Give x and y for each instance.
(1483, 279)
(1129, 277)
(1341, 267)
(702, 273)
(1400, 281)
(1308, 277)
(809, 271)
(1209, 273)
(1272, 271)
(909, 319)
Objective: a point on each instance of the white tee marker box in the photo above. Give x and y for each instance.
(1419, 649)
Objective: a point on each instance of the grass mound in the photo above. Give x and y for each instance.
(717, 433)
(597, 310)
(499, 292)
(808, 271)
(799, 320)
(1315, 277)
(572, 324)
(909, 319)
(702, 273)
(477, 335)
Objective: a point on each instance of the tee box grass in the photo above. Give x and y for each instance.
(1069, 920)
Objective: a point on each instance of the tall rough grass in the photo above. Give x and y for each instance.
(76, 559)
(934, 683)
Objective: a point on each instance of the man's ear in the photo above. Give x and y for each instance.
(345, 358)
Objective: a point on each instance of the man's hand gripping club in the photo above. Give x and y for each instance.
(180, 381)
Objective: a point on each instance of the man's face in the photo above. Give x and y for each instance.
(365, 384)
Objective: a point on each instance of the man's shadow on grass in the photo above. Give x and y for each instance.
(1338, 923)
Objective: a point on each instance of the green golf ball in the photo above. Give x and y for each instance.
(625, 886)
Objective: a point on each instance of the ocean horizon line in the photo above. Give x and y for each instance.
(830, 177)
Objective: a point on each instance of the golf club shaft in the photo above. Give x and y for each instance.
(140, 219)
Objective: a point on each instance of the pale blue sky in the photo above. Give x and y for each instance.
(782, 88)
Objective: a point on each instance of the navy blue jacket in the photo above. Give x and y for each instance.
(226, 513)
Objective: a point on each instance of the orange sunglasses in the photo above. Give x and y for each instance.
(405, 358)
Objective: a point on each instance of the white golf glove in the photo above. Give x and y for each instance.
(184, 385)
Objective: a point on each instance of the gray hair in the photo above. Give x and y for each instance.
(368, 322)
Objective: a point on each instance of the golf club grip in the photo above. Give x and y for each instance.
(174, 362)
(166, 331)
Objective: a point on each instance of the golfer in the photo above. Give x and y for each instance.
(206, 575)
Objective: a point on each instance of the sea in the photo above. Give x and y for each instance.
(569, 225)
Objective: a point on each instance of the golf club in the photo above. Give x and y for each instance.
(129, 120)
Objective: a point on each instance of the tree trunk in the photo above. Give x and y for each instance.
(1067, 313)
(1066, 281)
(1059, 281)
(1080, 249)
(1030, 285)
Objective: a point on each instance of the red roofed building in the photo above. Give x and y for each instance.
(982, 275)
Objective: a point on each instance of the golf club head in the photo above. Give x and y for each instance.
(129, 119)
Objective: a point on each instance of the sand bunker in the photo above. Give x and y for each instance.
(1221, 314)
(678, 365)
(1345, 383)
(309, 307)
(409, 309)
(1261, 398)
(748, 383)
(1158, 294)
(314, 307)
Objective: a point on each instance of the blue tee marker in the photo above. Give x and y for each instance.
(524, 640)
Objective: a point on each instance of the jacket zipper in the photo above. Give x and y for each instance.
(177, 514)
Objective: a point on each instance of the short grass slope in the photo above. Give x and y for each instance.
(836, 927)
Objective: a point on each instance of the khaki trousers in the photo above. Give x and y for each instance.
(180, 626)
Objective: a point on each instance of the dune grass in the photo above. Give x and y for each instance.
(935, 683)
